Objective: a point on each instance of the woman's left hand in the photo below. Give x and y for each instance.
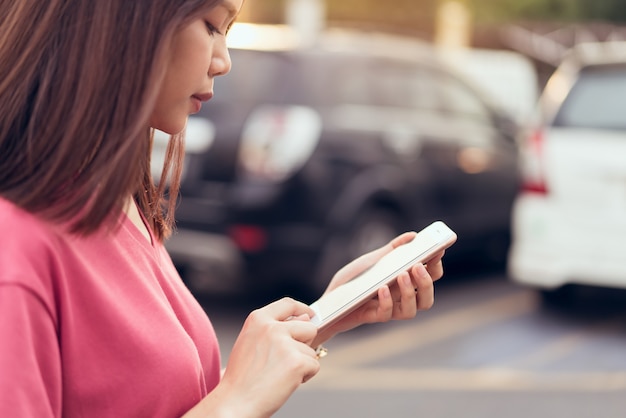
(413, 291)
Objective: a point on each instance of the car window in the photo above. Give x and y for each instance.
(425, 90)
(461, 101)
(405, 85)
(394, 85)
(350, 81)
(296, 78)
(597, 100)
(254, 75)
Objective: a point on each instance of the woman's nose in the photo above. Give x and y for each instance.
(221, 63)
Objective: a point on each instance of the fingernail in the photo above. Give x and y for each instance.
(422, 269)
(406, 280)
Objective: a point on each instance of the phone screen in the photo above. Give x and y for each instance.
(385, 270)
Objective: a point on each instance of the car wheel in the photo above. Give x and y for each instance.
(496, 250)
(373, 228)
(561, 297)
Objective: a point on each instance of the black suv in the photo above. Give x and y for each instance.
(319, 154)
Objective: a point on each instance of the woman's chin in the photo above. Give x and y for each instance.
(171, 128)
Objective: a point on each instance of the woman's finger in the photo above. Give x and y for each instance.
(302, 331)
(402, 239)
(435, 266)
(313, 367)
(424, 287)
(384, 312)
(364, 262)
(287, 308)
(407, 304)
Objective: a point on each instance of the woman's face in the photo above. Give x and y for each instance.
(199, 54)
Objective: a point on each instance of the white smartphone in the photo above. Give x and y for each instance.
(344, 299)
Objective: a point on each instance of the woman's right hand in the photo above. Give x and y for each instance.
(270, 359)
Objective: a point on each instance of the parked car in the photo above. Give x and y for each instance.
(569, 221)
(322, 153)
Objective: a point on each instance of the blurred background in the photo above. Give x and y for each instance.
(346, 122)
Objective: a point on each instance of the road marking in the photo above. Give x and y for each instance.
(484, 379)
(345, 367)
(403, 338)
(566, 344)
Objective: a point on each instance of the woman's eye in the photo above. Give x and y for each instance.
(212, 29)
(228, 29)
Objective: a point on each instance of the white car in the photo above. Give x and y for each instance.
(569, 220)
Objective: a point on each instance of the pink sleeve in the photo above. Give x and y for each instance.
(30, 366)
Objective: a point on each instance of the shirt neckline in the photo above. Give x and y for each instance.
(136, 233)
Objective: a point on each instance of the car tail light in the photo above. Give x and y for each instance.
(277, 141)
(248, 238)
(533, 164)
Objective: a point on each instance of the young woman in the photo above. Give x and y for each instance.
(94, 319)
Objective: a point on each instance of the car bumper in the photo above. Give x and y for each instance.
(209, 262)
(553, 246)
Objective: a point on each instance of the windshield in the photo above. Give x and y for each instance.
(597, 100)
(255, 75)
(294, 78)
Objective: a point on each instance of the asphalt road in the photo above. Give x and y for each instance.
(488, 348)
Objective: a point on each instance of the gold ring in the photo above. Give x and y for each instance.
(320, 352)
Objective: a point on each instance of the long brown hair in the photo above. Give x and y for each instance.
(78, 80)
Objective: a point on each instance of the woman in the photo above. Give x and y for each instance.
(94, 320)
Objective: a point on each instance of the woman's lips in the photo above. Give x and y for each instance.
(198, 99)
(204, 97)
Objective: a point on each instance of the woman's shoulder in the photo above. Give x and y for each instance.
(22, 228)
(28, 245)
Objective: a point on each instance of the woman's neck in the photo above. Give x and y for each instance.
(133, 214)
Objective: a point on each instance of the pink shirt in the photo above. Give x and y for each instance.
(97, 327)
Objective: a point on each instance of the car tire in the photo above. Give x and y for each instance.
(496, 250)
(372, 228)
(561, 297)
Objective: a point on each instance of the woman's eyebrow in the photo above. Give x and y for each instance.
(230, 7)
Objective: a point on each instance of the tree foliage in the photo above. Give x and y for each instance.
(553, 10)
(419, 15)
